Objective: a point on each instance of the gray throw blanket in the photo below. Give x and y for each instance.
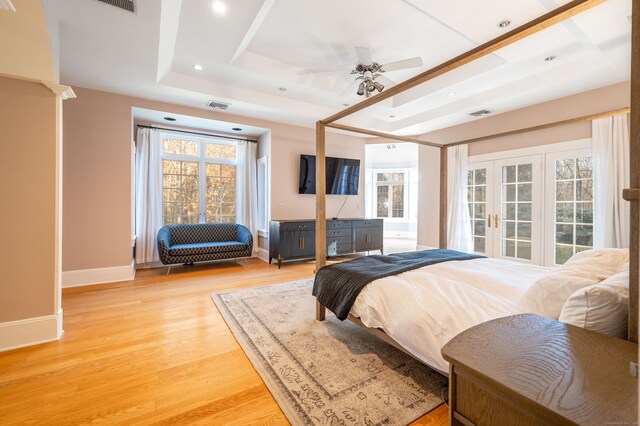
(337, 286)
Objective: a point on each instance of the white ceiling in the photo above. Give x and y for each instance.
(259, 46)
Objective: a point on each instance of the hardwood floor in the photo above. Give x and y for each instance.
(150, 351)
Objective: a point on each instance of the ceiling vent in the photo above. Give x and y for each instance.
(480, 113)
(218, 105)
(128, 5)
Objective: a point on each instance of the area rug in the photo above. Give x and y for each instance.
(329, 372)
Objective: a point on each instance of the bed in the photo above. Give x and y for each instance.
(420, 310)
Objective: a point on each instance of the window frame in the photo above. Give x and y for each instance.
(202, 161)
(376, 184)
(550, 199)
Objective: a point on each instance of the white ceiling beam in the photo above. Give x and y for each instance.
(169, 22)
(253, 29)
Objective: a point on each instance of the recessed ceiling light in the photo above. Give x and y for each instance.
(346, 104)
(504, 23)
(282, 89)
(169, 118)
(392, 116)
(197, 67)
(237, 129)
(219, 7)
(452, 94)
(550, 58)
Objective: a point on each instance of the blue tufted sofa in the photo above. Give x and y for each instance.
(197, 242)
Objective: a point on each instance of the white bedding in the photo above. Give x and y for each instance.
(424, 308)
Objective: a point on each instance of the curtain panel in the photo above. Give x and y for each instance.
(148, 195)
(459, 223)
(247, 188)
(610, 146)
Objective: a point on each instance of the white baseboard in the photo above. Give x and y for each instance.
(98, 276)
(263, 254)
(30, 331)
(421, 247)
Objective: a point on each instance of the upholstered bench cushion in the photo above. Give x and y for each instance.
(206, 248)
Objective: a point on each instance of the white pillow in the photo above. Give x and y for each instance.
(602, 307)
(549, 293)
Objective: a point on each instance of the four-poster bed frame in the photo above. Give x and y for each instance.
(560, 14)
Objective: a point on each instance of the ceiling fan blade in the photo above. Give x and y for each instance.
(387, 82)
(364, 55)
(401, 65)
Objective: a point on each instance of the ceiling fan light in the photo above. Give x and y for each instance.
(361, 89)
(379, 87)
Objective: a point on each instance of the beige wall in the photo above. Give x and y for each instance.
(27, 216)
(591, 102)
(24, 42)
(428, 196)
(97, 173)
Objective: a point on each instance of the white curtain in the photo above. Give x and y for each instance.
(610, 144)
(148, 195)
(247, 188)
(459, 222)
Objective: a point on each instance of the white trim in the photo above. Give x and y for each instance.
(262, 254)
(533, 150)
(30, 331)
(98, 276)
(6, 5)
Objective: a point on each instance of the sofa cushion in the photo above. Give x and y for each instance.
(203, 233)
(206, 248)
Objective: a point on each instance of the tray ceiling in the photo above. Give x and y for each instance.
(259, 47)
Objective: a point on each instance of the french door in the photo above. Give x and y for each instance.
(505, 206)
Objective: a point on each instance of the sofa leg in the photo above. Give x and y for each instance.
(168, 270)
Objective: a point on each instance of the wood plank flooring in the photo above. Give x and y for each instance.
(150, 351)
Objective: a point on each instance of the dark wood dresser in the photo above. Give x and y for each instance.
(530, 370)
(296, 239)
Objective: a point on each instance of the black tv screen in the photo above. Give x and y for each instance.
(342, 175)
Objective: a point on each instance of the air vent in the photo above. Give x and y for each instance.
(218, 105)
(128, 5)
(480, 113)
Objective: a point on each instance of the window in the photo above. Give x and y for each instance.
(198, 180)
(391, 194)
(477, 202)
(571, 195)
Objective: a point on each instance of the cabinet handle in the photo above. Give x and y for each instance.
(367, 238)
(488, 221)
(496, 220)
(302, 239)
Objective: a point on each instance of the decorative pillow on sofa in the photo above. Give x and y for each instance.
(602, 307)
(549, 293)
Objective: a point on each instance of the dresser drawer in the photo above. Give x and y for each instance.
(331, 233)
(339, 240)
(367, 223)
(292, 226)
(338, 224)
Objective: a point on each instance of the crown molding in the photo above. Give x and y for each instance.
(64, 92)
(7, 5)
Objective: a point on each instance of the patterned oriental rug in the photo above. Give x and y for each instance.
(330, 372)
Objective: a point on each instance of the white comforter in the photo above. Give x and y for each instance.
(424, 308)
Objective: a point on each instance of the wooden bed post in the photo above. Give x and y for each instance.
(633, 194)
(444, 173)
(321, 212)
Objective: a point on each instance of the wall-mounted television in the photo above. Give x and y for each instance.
(342, 175)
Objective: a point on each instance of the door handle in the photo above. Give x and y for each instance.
(488, 221)
(496, 221)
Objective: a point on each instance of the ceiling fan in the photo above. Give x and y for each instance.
(368, 71)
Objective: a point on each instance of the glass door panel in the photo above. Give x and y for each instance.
(517, 217)
(479, 198)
